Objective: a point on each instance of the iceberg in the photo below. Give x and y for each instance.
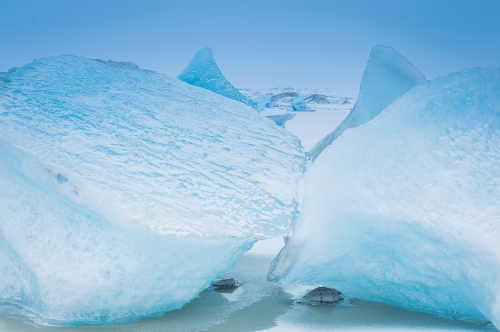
(281, 119)
(124, 193)
(405, 209)
(387, 76)
(203, 72)
(264, 101)
(299, 104)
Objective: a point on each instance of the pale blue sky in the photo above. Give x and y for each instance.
(257, 43)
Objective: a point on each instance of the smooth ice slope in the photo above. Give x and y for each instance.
(406, 209)
(387, 76)
(203, 72)
(123, 192)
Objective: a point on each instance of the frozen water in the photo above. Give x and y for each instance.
(203, 72)
(311, 127)
(387, 76)
(125, 192)
(260, 306)
(405, 209)
(299, 104)
(331, 107)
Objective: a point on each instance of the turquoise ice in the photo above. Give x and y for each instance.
(387, 76)
(203, 72)
(299, 104)
(405, 208)
(125, 192)
(264, 101)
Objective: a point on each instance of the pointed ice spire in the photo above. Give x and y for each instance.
(387, 76)
(203, 72)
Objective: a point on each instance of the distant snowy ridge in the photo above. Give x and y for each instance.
(203, 72)
(125, 192)
(387, 76)
(313, 97)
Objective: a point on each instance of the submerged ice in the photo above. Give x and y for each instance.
(125, 192)
(405, 209)
(203, 72)
(387, 76)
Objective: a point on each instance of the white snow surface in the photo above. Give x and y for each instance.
(125, 192)
(405, 208)
(312, 127)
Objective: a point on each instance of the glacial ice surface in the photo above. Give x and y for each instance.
(387, 76)
(405, 209)
(203, 72)
(124, 192)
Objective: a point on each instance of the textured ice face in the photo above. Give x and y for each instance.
(387, 76)
(137, 146)
(203, 72)
(405, 209)
(124, 192)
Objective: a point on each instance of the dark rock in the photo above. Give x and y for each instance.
(227, 283)
(317, 99)
(285, 97)
(322, 295)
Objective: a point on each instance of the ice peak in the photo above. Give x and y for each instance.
(389, 60)
(387, 76)
(205, 54)
(203, 72)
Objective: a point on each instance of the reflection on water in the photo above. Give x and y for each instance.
(259, 305)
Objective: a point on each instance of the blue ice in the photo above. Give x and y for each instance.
(299, 104)
(387, 76)
(125, 192)
(264, 101)
(405, 209)
(203, 72)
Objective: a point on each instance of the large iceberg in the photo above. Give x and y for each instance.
(203, 72)
(387, 76)
(406, 208)
(124, 192)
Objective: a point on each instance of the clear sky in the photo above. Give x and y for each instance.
(257, 43)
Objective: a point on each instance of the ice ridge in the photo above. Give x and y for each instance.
(387, 76)
(203, 72)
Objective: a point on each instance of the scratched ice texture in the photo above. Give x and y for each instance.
(125, 192)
